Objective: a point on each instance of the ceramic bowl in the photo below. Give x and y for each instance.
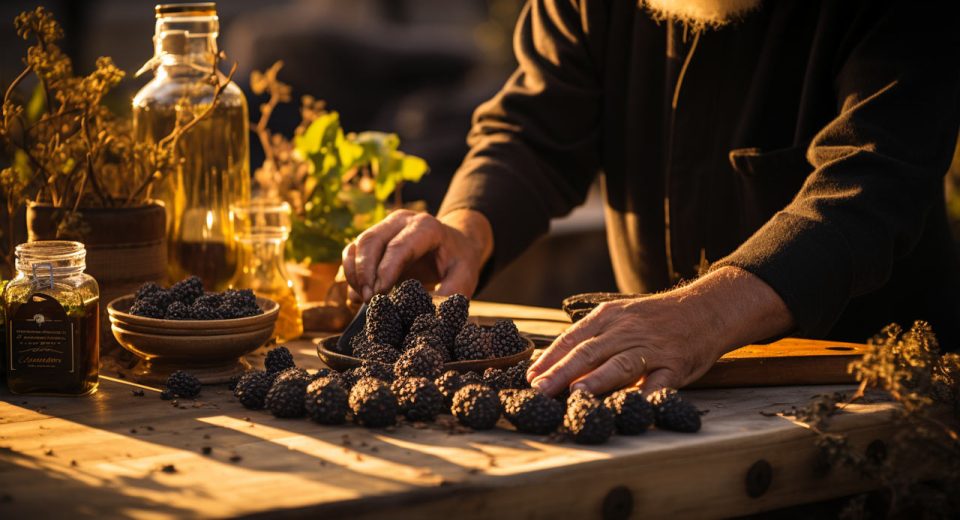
(119, 309)
(340, 362)
(211, 350)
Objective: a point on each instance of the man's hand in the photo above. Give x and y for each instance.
(449, 251)
(668, 339)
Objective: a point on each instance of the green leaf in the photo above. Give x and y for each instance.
(319, 135)
(37, 104)
(412, 168)
(313, 244)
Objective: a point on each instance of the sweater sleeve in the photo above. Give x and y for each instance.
(877, 168)
(534, 146)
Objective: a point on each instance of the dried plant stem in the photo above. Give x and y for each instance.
(92, 152)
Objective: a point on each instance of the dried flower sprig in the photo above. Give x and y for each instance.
(920, 467)
(70, 150)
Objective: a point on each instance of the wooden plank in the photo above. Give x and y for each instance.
(121, 442)
(104, 455)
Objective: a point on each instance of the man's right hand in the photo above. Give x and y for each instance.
(447, 253)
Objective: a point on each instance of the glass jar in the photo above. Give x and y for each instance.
(262, 231)
(214, 170)
(52, 317)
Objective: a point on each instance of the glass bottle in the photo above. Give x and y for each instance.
(214, 174)
(262, 231)
(52, 314)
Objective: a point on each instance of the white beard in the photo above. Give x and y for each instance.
(700, 14)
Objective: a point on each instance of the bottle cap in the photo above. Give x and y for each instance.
(190, 9)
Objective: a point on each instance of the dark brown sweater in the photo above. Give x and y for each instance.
(806, 144)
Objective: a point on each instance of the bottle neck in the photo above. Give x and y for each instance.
(186, 45)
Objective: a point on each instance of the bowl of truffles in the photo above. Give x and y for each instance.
(406, 328)
(184, 327)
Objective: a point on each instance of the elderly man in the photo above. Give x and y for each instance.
(787, 157)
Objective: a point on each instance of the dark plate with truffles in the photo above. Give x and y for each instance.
(409, 319)
(341, 362)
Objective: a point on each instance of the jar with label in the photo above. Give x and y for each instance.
(52, 316)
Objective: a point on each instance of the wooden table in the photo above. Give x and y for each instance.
(119, 454)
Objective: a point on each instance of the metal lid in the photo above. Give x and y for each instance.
(191, 9)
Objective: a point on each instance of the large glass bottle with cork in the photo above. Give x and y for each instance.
(213, 174)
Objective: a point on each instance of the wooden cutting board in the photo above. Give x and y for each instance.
(789, 361)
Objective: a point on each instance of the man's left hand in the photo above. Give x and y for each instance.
(665, 340)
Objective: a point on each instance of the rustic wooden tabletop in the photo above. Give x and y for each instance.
(119, 454)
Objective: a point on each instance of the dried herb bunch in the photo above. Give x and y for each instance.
(338, 184)
(920, 467)
(66, 147)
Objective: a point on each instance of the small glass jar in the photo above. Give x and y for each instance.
(263, 227)
(52, 317)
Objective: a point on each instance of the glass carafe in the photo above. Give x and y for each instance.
(214, 170)
(262, 229)
(52, 313)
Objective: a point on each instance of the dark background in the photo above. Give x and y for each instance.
(414, 67)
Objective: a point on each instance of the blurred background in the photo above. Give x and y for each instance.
(414, 67)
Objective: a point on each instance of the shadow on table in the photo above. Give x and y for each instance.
(39, 482)
(347, 457)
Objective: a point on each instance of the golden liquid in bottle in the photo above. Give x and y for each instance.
(213, 176)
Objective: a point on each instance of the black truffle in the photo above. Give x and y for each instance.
(420, 361)
(532, 412)
(587, 419)
(673, 413)
(184, 384)
(252, 388)
(383, 323)
(326, 401)
(373, 403)
(285, 398)
(476, 406)
(411, 300)
(472, 343)
(418, 398)
(634, 414)
(278, 360)
(505, 339)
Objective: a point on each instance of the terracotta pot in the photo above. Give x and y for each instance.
(312, 282)
(322, 299)
(126, 247)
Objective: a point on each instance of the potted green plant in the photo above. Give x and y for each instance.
(77, 166)
(337, 183)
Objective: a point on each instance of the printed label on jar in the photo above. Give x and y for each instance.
(41, 336)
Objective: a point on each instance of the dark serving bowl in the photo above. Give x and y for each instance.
(579, 305)
(340, 362)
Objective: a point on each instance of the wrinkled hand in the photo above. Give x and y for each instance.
(668, 339)
(445, 253)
